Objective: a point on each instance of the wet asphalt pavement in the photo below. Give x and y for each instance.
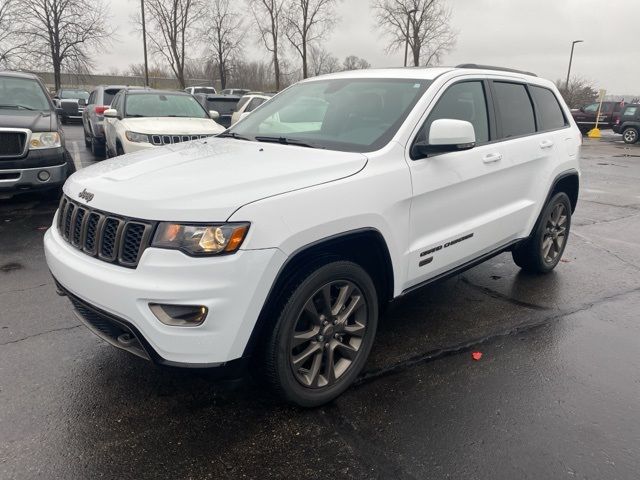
(556, 393)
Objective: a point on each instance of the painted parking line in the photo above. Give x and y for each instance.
(76, 156)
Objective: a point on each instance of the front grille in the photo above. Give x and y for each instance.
(110, 238)
(171, 139)
(12, 144)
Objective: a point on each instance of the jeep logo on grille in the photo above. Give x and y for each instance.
(88, 196)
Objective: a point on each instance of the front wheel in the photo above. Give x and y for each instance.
(541, 252)
(323, 334)
(630, 135)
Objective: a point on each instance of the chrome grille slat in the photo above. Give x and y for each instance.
(110, 238)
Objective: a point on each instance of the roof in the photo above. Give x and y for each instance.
(149, 91)
(11, 73)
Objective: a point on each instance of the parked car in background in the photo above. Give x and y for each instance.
(71, 103)
(224, 104)
(32, 150)
(248, 104)
(93, 116)
(585, 116)
(235, 91)
(140, 119)
(200, 89)
(629, 123)
(275, 245)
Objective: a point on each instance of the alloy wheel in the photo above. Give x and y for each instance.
(555, 233)
(328, 334)
(630, 135)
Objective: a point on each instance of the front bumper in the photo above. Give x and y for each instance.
(232, 287)
(24, 179)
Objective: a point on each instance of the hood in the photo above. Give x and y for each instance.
(34, 121)
(172, 125)
(206, 180)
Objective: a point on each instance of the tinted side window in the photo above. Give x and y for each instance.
(549, 111)
(630, 111)
(462, 101)
(255, 103)
(514, 109)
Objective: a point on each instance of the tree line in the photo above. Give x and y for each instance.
(209, 38)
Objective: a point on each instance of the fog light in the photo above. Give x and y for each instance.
(43, 175)
(179, 315)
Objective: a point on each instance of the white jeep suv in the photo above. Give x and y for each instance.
(279, 241)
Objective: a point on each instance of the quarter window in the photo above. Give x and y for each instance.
(514, 109)
(462, 101)
(549, 111)
(630, 111)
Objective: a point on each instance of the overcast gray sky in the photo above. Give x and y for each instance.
(530, 35)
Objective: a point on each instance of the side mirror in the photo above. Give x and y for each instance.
(214, 114)
(111, 113)
(446, 135)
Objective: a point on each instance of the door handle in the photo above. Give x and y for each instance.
(546, 144)
(492, 157)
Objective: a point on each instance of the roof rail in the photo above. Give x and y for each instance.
(489, 67)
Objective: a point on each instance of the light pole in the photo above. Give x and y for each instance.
(144, 41)
(566, 85)
(406, 42)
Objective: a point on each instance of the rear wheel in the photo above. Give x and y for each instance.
(87, 138)
(541, 252)
(97, 148)
(630, 135)
(119, 150)
(323, 335)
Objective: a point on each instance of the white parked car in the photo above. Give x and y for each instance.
(141, 119)
(201, 89)
(277, 243)
(248, 104)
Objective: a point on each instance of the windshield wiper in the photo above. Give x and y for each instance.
(19, 107)
(286, 141)
(233, 135)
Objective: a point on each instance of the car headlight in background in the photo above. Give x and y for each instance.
(201, 239)
(40, 140)
(137, 137)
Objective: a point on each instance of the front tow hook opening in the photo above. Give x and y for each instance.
(126, 339)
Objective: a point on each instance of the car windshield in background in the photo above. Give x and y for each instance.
(224, 106)
(163, 105)
(352, 114)
(22, 94)
(74, 94)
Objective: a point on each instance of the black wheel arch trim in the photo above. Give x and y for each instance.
(552, 189)
(265, 316)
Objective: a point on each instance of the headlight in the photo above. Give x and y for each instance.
(137, 137)
(201, 239)
(40, 140)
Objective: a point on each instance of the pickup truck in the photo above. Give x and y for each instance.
(585, 116)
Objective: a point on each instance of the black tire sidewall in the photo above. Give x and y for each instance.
(289, 386)
(539, 235)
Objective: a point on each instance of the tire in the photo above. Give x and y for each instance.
(97, 149)
(71, 166)
(119, 150)
(64, 120)
(542, 251)
(332, 347)
(630, 135)
(87, 139)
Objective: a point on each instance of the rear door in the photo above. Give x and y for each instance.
(532, 128)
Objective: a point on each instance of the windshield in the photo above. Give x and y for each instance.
(74, 94)
(352, 114)
(22, 93)
(163, 105)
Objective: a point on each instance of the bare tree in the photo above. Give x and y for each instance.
(11, 44)
(307, 22)
(424, 24)
(578, 93)
(269, 17)
(62, 33)
(171, 29)
(355, 63)
(322, 61)
(224, 32)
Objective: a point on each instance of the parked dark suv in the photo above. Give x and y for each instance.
(32, 151)
(585, 116)
(225, 105)
(93, 118)
(629, 123)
